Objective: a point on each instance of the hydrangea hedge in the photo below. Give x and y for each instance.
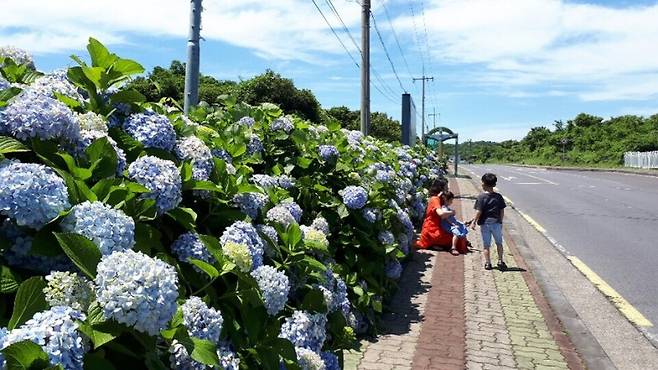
(238, 237)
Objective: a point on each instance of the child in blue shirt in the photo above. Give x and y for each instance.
(457, 228)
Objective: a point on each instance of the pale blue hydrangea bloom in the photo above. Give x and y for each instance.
(281, 215)
(321, 224)
(294, 209)
(274, 286)
(34, 116)
(264, 181)
(247, 121)
(354, 197)
(19, 254)
(188, 246)
(31, 194)
(161, 177)
(305, 330)
(4, 84)
(354, 137)
(328, 152)
(285, 181)
(393, 269)
(228, 360)
(370, 215)
(341, 301)
(3, 337)
(68, 289)
(19, 56)
(180, 359)
(254, 146)
(250, 203)
(202, 321)
(110, 229)
(56, 331)
(330, 361)
(245, 233)
(56, 82)
(271, 233)
(404, 219)
(137, 290)
(151, 129)
(197, 152)
(222, 154)
(386, 237)
(87, 137)
(309, 360)
(403, 242)
(283, 123)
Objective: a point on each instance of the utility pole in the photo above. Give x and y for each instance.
(365, 66)
(424, 78)
(433, 115)
(192, 66)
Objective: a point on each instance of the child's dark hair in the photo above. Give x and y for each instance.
(489, 179)
(437, 186)
(449, 195)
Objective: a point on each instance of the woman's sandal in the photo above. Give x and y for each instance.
(454, 252)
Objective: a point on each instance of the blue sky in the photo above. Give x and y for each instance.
(500, 66)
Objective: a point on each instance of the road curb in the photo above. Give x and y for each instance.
(565, 316)
(589, 169)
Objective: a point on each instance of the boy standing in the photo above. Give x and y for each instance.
(490, 207)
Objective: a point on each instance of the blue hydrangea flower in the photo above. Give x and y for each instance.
(294, 209)
(137, 290)
(19, 56)
(354, 137)
(305, 330)
(250, 203)
(341, 301)
(189, 246)
(264, 181)
(228, 360)
(354, 197)
(245, 233)
(4, 84)
(31, 194)
(246, 121)
(87, 137)
(393, 269)
(56, 82)
(271, 233)
(386, 237)
(68, 289)
(161, 177)
(180, 359)
(370, 215)
(151, 129)
(202, 321)
(285, 181)
(283, 123)
(19, 254)
(281, 215)
(274, 286)
(194, 150)
(31, 116)
(3, 338)
(328, 152)
(403, 242)
(254, 146)
(404, 219)
(110, 229)
(56, 331)
(321, 224)
(309, 360)
(330, 361)
(222, 154)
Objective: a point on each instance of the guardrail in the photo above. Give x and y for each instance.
(641, 159)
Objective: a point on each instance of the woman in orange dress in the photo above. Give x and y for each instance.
(432, 234)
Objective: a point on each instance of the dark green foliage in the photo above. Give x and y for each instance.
(382, 126)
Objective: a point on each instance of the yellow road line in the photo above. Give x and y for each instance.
(532, 222)
(631, 313)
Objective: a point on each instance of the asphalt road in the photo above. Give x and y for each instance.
(608, 220)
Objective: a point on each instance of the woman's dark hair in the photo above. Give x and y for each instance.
(489, 179)
(438, 186)
(449, 195)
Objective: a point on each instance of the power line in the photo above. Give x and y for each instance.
(347, 30)
(386, 87)
(388, 56)
(397, 41)
(335, 34)
(417, 35)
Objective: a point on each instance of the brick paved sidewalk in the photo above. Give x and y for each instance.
(450, 313)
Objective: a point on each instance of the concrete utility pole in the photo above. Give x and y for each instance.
(192, 66)
(365, 67)
(424, 78)
(433, 115)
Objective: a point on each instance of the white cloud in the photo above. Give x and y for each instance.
(605, 52)
(281, 29)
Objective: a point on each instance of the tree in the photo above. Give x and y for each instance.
(381, 125)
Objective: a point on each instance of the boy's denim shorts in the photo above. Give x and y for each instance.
(491, 229)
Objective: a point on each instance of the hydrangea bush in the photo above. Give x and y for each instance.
(236, 237)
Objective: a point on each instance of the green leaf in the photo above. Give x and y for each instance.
(25, 355)
(8, 280)
(29, 300)
(45, 244)
(128, 67)
(205, 352)
(96, 361)
(127, 96)
(304, 162)
(70, 102)
(103, 157)
(98, 337)
(314, 301)
(82, 251)
(209, 269)
(10, 145)
(315, 264)
(100, 56)
(186, 217)
(7, 94)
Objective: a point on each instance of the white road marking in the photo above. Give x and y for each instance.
(541, 179)
(530, 183)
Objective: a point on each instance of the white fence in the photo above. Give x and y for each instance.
(641, 159)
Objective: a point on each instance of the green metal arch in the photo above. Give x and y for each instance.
(440, 129)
